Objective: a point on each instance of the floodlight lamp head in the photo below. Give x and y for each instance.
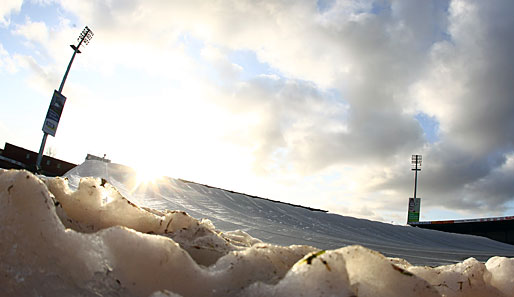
(85, 35)
(416, 161)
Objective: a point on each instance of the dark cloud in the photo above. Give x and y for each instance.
(458, 53)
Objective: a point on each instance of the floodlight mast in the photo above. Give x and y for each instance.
(85, 36)
(416, 166)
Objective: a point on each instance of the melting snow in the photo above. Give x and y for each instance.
(90, 240)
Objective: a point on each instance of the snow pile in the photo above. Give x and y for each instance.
(94, 242)
(95, 206)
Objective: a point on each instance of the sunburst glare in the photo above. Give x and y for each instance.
(146, 176)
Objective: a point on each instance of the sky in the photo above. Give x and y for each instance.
(318, 103)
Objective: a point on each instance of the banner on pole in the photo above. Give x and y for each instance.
(54, 113)
(414, 207)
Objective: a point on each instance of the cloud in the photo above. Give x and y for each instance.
(494, 189)
(465, 87)
(459, 64)
(386, 63)
(6, 9)
(228, 70)
(7, 62)
(33, 31)
(347, 81)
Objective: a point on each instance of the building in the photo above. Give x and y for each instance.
(499, 229)
(93, 157)
(15, 157)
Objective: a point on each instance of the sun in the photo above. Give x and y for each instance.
(147, 175)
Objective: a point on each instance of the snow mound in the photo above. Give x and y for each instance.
(94, 242)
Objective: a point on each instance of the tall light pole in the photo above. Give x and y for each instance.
(416, 166)
(414, 203)
(58, 100)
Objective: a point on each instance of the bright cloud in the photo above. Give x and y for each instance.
(8, 63)
(8, 7)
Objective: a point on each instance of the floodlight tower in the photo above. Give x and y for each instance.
(416, 166)
(58, 100)
(414, 203)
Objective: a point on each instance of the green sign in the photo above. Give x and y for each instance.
(414, 207)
